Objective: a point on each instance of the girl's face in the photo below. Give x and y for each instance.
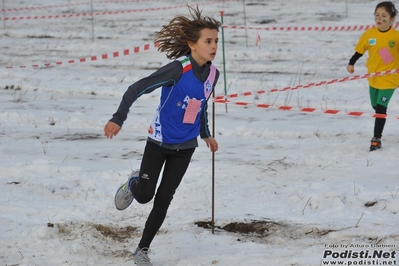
(382, 19)
(205, 48)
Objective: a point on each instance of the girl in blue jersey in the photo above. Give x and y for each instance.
(186, 85)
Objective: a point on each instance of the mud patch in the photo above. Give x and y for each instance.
(80, 136)
(107, 233)
(330, 16)
(40, 37)
(107, 240)
(266, 21)
(267, 231)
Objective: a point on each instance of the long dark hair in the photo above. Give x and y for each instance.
(173, 38)
(389, 7)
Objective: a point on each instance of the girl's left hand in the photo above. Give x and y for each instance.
(350, 69)
(211, 143)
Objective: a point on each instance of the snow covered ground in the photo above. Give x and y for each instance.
(291, 187)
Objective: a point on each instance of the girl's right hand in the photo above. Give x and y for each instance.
(350, 69)
(111, 129)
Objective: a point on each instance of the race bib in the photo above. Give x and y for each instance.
(192, 110)
(386, 56)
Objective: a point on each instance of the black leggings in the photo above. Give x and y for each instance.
(379, 122)
(175, 164)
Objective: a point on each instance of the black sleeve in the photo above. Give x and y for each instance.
(354, 58)
(204, 130)
(167, 75)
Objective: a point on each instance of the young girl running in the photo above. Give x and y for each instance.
(382, 44)
(187, 83)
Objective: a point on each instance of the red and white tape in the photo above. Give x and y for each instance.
(89, 14)
(16, 9)
(125, 52)
(303, 110)
(58, 16)
(306, 28)
(313, 84)
(30, 8)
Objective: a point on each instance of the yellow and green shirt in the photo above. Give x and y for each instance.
(383, 51)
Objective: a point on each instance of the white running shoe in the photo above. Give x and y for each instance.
(141, 258)
(124, 196)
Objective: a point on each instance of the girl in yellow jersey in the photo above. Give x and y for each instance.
(382, 44)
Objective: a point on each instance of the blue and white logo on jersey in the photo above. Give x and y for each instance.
(372, 41)
(208, 86)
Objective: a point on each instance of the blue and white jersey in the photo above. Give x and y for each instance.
(169, 124)
(182, 112)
